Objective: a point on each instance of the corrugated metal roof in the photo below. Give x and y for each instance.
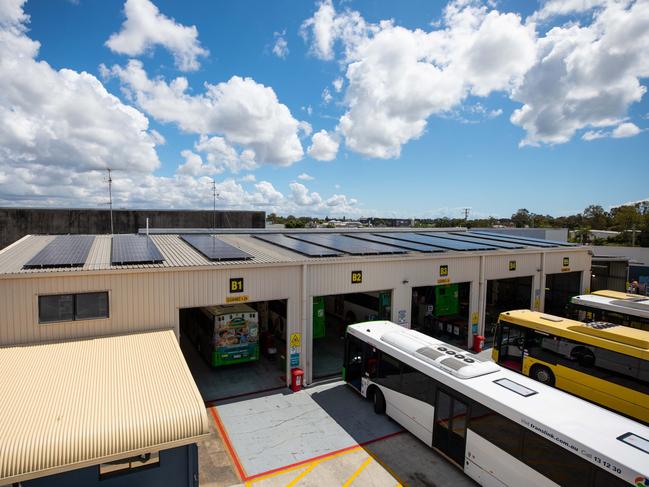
(70, 404)
(178, 253)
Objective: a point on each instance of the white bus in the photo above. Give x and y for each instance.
(499, 427)
(612, 306)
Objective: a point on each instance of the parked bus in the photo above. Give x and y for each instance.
(227, 334)
(612, 306)
(602, 362)
(499, 427)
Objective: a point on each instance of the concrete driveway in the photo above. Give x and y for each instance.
(324, 435)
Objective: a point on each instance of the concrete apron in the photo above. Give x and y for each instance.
(275, 432)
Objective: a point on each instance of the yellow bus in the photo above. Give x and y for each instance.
(602, 362)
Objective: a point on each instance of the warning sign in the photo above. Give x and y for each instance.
(296, 340)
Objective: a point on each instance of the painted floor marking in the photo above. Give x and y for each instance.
(358, 472)
(303, 474)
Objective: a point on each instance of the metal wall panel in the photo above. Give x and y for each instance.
(497, 266)
(137, 301)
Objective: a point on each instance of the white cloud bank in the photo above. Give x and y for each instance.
(245, 112)
(61, 129)
(572, 78)
(145, 27)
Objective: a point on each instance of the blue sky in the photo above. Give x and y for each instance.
(422, 124)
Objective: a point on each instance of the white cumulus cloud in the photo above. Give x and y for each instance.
(625, 130)
(145, 27)
(583, 74)
(305, 177)
(241, 110)
(324, 146)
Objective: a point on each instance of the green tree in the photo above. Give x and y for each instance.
(596, 217)
(521, 218)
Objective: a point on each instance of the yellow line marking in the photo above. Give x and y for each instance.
(303, 465)
(303, 474)
(357, 472)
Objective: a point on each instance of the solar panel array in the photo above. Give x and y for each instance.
(346, 244)
(438, 242)
(304, 248)
(215, 249)
(510, 238)
(554, 243)
(134, 249)
(419, 247)
(63, 251)
(463, 237)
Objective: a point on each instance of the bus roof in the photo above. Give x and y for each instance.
(579, 426)
(634, 306)
(225, 309)
(622, 339)
(614, 294)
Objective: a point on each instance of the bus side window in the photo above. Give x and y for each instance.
(389, 372)
(556, 463)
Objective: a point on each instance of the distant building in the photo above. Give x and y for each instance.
(557, 234)
(15, 223)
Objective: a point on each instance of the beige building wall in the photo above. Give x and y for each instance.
(148, 299)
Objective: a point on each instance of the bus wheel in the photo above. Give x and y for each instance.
(379, 401)
(542, 374)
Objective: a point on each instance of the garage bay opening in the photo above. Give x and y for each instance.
(235, 349)
(442, 311)
(331, 316)
(505, 295)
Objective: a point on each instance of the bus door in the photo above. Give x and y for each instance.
(449, 428)
(510, 346)
(360, 361)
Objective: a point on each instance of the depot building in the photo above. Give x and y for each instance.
(247, 306)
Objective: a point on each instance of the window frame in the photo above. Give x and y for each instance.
(124, 466)
(74, 307)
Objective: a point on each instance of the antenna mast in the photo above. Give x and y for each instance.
(466, 213)
(214, 205)
(110, 198)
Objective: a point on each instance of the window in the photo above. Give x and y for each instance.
(496, 429)
(91, 305)
(127, 465)
(554, 461)
(72, 307)
(515, 387)
(635, 441)
(418, 385)
(389, 372)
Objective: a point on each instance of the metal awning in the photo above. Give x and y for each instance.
(67, 405)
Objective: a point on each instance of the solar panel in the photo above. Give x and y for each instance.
(346, 244)
(134, 249)
(63, 251)
(510, 238)
(304, 248)
(463, 237)
(396, 243)
(215, 249)
(444, 243)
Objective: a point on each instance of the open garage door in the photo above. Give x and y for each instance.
(505, 295)
(332, 315)
(559, 288)
(442, 312)
(233, 350)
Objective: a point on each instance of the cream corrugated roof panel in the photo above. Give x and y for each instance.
(66, 405)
